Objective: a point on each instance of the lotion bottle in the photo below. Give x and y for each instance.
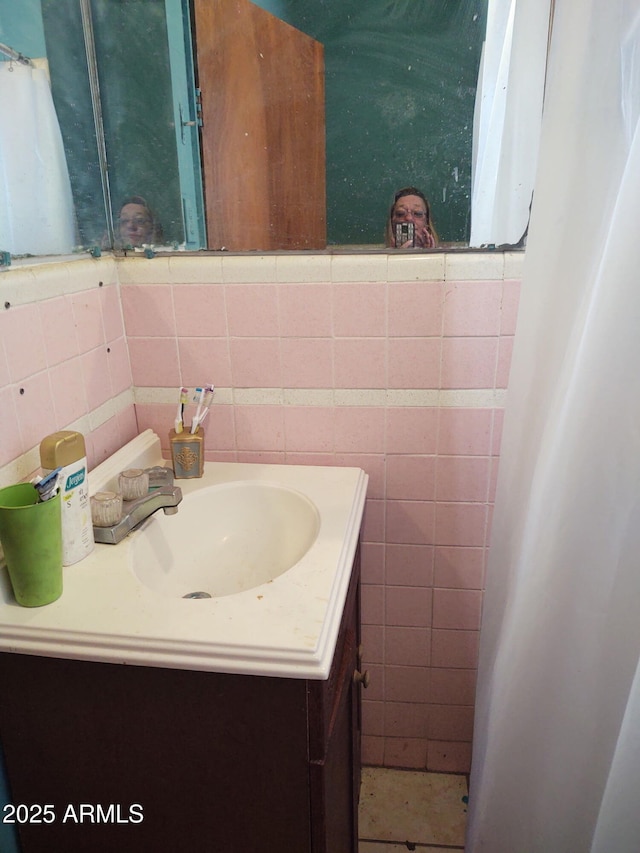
(66, 450)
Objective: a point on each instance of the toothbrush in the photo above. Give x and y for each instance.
(197, 397)
(47, 487)
(204, 398)
(209, 391)
(184, 399)
(179, 421)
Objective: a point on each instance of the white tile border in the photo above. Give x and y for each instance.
(249, 269)
(24, 284)
(303, 268)
(474, 266)
(359, 267)
(416, 267)
(473, 398)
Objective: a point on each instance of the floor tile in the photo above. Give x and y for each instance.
(411, 806)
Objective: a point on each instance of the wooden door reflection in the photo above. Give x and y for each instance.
(263, 135)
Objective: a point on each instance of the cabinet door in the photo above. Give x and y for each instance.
(217, 762)
(335, 759)
(334, 823)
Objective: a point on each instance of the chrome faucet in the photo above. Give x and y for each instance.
(162, 494)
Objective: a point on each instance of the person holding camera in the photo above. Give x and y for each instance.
(409, 224)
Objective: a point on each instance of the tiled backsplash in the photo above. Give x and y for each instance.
(64, 362)
(394, 363)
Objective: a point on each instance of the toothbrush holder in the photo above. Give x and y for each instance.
(187, 454)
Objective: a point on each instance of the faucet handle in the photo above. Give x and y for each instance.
(159, 477)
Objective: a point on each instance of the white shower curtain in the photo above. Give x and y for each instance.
(36, 206)
(507, 119)
(556, 757)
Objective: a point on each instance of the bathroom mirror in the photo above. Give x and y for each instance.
(400, 81)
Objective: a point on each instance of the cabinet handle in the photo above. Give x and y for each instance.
(361, 678)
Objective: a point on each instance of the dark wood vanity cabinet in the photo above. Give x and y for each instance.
(107, 757)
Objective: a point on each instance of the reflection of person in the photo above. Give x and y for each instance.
(411, 205)
(137, 223)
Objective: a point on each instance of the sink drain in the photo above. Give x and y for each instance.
(197, 595)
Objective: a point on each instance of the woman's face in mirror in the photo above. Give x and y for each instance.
(136, 225)
(409, 208)
(412, 209)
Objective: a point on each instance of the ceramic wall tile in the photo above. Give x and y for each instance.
(148, 311)
(255, 363)
(111, 307)
(452, 686)
(458, 567)
(464, 431)
(252, 310)
(411, 477)
(454, 649)
(23, 342)
(200, 310)
(409, 565)
(259, 427)
(448, 756)
(468, 362)
(96, 377)
(305, 310)
(408, 606)
(360, 309)
(462, 478)
(33, 401)
(472, 308)
(509, 308)
(11, 445)
(58, 330)
(154, 362)
(119, 365)
(410, 752)
(69, 400)
(413, 430)
(409, 522)
(416, 309)
(309, 428)
(87, 315)
(406, 684)
(203, 361)
(407, 645)
(307, 362)
(360, 363)
(359, 430)
(460, 524)
(457, 608)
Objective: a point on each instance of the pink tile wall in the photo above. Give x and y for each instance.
(397, 377)
(61, 360)
(354, 353)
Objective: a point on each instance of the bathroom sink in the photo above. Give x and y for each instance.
(225, 539)
(273, 545)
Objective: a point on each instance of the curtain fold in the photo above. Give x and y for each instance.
(557, 729)
(36, 206)
(507, 119)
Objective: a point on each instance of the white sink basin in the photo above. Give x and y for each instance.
(225, 539)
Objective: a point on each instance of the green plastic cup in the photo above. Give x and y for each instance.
(31, 538)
